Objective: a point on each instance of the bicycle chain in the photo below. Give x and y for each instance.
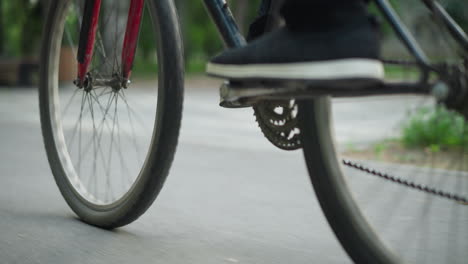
(406, 183)
(394, 179)
(276, 127)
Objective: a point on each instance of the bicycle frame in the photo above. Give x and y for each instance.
(225, 22)
(222, 16)
(88, 37)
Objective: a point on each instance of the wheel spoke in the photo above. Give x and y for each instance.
(138, 118)
(100, 127)
(83, 102)
(100, 137)
(133, 136)
(90, 103)
(68, 104)
(108, 191)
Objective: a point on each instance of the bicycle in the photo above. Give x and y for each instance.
(290, 121)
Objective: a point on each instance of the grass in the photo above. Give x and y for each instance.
(392, 151)
(430, 137)
(396, 72)
(435, 129)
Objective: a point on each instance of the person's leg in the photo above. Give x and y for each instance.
(320, 14)
(317, 15)
(322, 40)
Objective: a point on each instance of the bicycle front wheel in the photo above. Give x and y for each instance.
(109, 147)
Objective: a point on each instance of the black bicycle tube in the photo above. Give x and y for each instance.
(404, 34)
(225, 22)
(454, 29)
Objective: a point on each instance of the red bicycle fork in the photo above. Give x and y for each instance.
(88, 31)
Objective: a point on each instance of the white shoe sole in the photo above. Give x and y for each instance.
(322, 70)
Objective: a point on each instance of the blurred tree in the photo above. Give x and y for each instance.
(200, 35)
(2, 31)
(32, 26)
(21, 26)
(459, 10)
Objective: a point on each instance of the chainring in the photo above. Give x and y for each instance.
(278, 121)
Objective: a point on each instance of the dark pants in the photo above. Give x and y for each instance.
(309, 15)
(318, 14)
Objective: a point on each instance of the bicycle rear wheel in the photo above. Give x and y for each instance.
(378, 221)
(110, 148)
(391, 172)
(343, 214)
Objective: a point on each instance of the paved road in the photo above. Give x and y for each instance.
(230, 196)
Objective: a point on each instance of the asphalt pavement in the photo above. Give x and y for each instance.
(230, 197)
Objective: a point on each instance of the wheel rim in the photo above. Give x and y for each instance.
(102, 135)
(413, 153)
(419, 226)
(411, 222)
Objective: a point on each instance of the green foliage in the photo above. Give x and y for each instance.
(21, 21)
(401, 72)
(434, 129)
(145, 69)
(458, 10)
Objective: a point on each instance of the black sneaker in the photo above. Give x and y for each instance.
(343, 52)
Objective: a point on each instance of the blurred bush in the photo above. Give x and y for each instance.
(436, 128)
(21, 22)
(20, 27)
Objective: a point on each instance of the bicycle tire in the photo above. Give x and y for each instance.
(355, 234)
(163, 139)
(382, 219)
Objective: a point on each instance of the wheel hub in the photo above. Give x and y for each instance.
(89, 82)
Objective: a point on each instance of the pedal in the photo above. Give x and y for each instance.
(239, 94)
(246, 94)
